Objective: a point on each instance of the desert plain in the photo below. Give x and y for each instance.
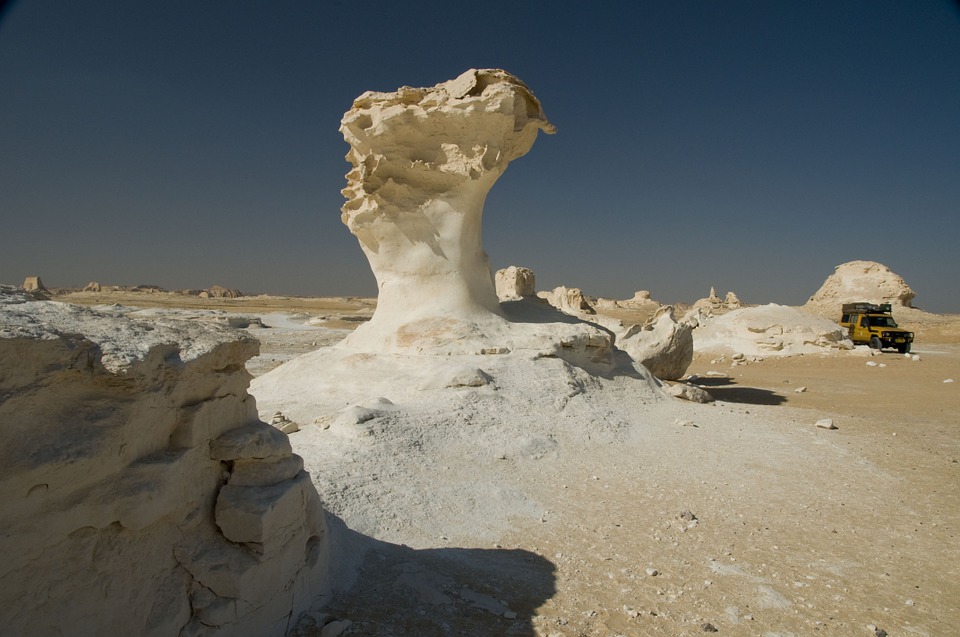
(668, 518)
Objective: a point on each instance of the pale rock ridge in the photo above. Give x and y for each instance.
(640, 299)
(855, 281)
(769, 330)
(141, 494)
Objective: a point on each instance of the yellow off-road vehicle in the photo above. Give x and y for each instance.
(873, 325)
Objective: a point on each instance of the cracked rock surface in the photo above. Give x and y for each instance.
(120, 440)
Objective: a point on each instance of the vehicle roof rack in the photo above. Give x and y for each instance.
(870, 308)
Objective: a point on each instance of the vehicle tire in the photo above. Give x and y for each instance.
(875, 343)
(904, 349)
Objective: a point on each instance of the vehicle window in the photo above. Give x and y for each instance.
(864, 322)
(882, 321)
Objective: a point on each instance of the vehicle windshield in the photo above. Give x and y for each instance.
(882, 321)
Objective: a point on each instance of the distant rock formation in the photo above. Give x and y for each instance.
(769, 330)
(641, 297)
(855, 281)
(148, 288)
(515, 283)
(731, 301)
(219, 292)
(141, 494)
(93, 286)
(712, 305)
(568, 300)
(33, 284)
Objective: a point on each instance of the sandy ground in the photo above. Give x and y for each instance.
(742, 518)
(738, 517)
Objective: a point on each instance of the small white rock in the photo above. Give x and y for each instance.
(826, 423)
(800, 390)
(652, 572)
(915, 357)
(335, 628)
(871, 363)
(948, 380)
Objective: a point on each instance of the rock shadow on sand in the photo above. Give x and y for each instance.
(725, 389)
(399, 590)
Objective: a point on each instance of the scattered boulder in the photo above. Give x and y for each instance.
(454, 376)
(283, 423)
(690, 392)
(662, 345)
(515, 283)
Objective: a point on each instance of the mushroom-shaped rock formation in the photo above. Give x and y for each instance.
(423, 161)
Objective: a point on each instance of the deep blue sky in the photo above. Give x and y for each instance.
(750, 146)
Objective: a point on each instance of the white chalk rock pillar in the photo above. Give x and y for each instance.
(423, 161)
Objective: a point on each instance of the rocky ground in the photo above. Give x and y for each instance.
(596, 509)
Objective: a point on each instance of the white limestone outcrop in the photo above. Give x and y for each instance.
(141, 494)
(514, 283)
(855, 281)
(33, 284)
(663, 345)
(423, 161)
(769, 330)
(568, 300)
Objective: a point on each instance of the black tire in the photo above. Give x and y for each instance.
(904, 349)
(875, 343)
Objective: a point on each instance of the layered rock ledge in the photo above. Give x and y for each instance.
(141, 494)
